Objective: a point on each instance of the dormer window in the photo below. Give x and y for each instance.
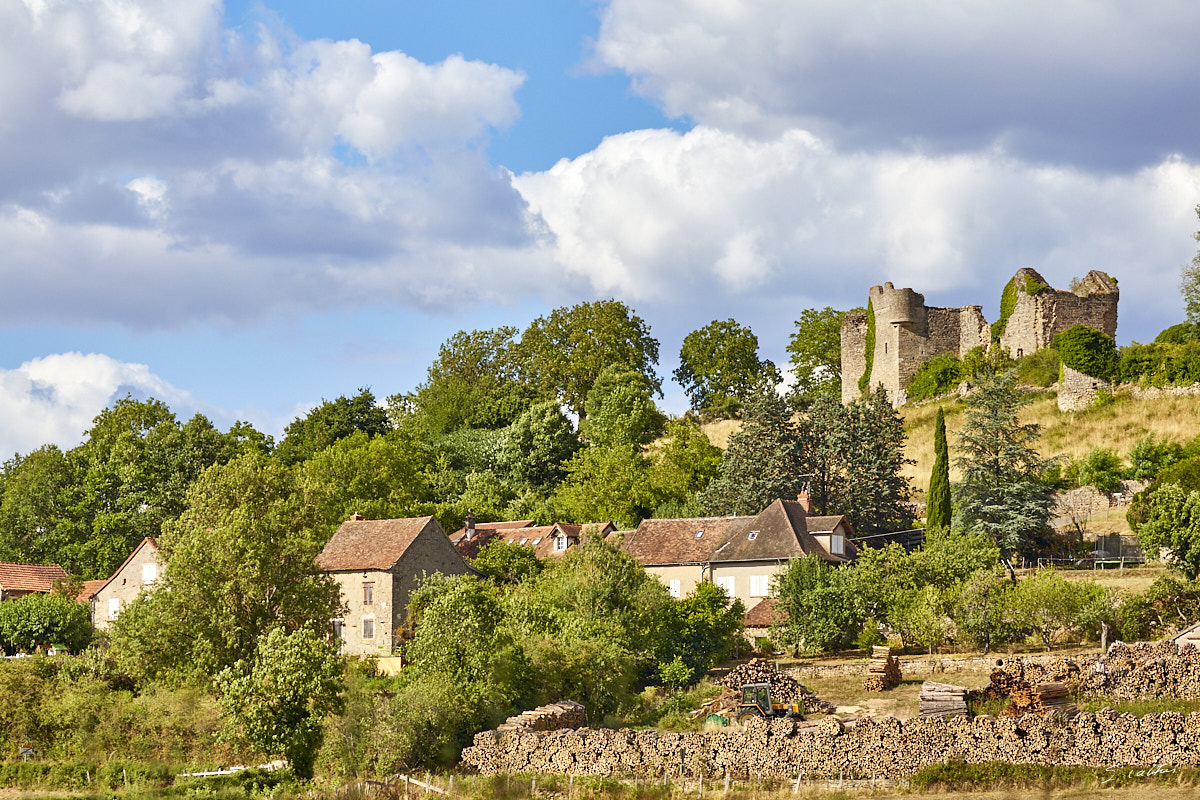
(560, 544)
(537, 541)
(699, 533)
(753, 535)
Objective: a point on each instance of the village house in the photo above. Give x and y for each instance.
(17, 580)
(138, 574)
(740, 554)
(377, 564)
(547, 541)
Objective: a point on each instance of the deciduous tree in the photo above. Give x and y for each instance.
(816, 355)
(719, 367)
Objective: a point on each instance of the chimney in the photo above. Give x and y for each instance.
(804, 500)
(470, 524)
(356, 517)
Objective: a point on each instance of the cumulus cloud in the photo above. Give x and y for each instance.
(161, 169)
(1074, 81)
(57, 397)
(663, 217)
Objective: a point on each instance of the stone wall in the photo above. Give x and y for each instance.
(1077, 391)
(883, 748)
(1038, 318)
(854, 357)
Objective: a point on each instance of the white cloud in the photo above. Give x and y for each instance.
(665, 218)
(1076, 80)
(57, 397)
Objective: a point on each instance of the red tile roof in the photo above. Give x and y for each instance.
(764, 614)
(372, 544)
(457, 536)
(89, 589)
(541, 537)
(674, 541)
(30, 577)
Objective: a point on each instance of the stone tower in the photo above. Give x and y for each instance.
(907, 334)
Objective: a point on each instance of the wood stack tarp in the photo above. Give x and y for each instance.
(883, 672)
(942, 700)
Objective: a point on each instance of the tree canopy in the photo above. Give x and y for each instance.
(719, 367)
(815, 348)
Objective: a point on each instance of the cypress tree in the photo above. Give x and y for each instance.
(937, 502)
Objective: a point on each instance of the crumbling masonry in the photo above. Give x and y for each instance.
(907, 333)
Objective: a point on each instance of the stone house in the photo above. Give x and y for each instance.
(17, 580)
(740, 554)
(138, 574)
(376, 565)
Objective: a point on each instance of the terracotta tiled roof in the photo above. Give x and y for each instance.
(30, 577)
(541, 537)
(372, 544)
(764, 614)
(492, 526)
(777, 533)
(470, 548)
(825, 524)
(675, 541)
(89, 589)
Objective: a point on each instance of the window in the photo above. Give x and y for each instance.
(560, 544)
(368, 629)
(368, 593)
(114, 607)
(727, 584)
(537, 541)
(337, 628)
(699, 533)
(149, 573)
(675, 589)
(837, 544)
(525, 540)
(759, 585)
(753, 535)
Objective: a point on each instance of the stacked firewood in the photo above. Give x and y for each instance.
(784, 688)
(942, 700)
(883, 672)
(1043, 698)
(556, 716)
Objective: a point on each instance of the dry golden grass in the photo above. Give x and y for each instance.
(719, 432)
(1117, 426)
(1130, 580)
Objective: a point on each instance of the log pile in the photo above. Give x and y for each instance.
(1044, 698)
(780, 749)
(1143, 669)
(883, 672)
(784, 688)
(566, 714)
(942, 700)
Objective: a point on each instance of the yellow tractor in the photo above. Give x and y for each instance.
(757, 702)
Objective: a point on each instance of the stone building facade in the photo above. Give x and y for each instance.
(140, 572)
(908, 333)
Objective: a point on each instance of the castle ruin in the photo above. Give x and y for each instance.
(906, 333)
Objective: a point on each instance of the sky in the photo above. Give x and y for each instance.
(245, 208)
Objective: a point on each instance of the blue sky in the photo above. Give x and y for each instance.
(244, 208)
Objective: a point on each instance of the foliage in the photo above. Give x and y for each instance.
(279, 700)
(562, 355)
(473, 383)
(719, 363)
(705, 629)
(1008, 304)
(50, 619)
(620, 411)
(336, 419)
(1040, 368)
(1049, 604)
(1189, 285)
(239, 562)
(820, 604)
(507, 562)
(1087, 350)
(606, 483)
(937, 376)
(1149, 456)
(762, 462)
(1174, 524)
(1181, 333)
(937, 499)
(537, 445)
(1100, 468)
(1184, 473)
(925, 618)
(855, 456)
(864, 382)
(815, 349)
(682, 466)
(1000, 494)
(984, 611)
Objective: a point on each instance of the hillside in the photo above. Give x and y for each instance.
(1117, 425)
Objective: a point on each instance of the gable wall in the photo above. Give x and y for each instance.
(354, 611)
(125, 586)
(429, 552)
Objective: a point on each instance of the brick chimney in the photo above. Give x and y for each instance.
(470, 524)
(804, 500)
(356, 517)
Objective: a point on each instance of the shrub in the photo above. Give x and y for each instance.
(1177, 334)
(936, 376)
(1148, 457)
(1100, 468)
(1040, 368)
(1087, 350)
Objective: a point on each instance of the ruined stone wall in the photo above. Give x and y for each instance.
(867, 748)
(854, 357)
(1038, 318)
(1077, 391)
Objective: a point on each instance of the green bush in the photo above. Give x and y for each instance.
(1087, 350)
(1039, 369)
(1101, 468)
(938, 375)
(1160, 364)
(1178, 334)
